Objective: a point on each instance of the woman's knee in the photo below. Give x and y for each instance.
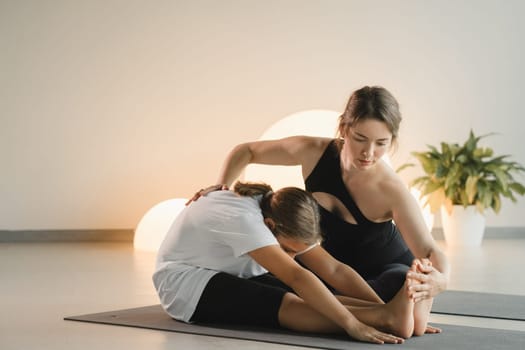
(389, 282)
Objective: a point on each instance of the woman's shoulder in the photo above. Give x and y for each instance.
(309, 150)
(308, 142)
(318, 142)
(308, 147)
(391, 184)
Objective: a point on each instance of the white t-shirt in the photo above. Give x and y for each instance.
(211, 235)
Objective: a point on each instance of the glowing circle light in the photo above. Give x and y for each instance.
(154, 225)
(320, 122)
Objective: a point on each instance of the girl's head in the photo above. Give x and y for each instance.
(371, 103)
(290, 212)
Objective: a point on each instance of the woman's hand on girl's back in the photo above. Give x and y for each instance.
(205, 191)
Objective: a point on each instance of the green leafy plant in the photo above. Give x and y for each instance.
(466, 175)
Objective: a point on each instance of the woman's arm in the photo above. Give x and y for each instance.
(295, 150)
(408, 218)
(340, 276)
(313, 292)
(276, 152)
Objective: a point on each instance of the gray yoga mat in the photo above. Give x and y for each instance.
(453, 337)
(491, 305)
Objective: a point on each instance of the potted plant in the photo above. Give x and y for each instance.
(464, 181)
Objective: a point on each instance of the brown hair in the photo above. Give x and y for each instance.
(371, 102)
(293, 210)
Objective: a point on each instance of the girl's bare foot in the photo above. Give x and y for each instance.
(400, 314)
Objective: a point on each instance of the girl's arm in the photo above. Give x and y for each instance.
(313, 292)
(340, 276)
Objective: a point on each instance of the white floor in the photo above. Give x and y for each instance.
(43, 282)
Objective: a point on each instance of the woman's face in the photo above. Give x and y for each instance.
(365, 143)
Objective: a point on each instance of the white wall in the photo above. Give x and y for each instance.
(108, 107)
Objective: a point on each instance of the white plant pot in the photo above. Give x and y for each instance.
(464, 227)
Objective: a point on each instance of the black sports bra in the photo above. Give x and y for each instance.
(366, 246)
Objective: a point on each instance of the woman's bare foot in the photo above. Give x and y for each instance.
(432, 330)
(422, 308)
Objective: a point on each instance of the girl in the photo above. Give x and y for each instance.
(212, 267)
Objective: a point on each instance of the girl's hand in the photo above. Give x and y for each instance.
(365, 333)
(205, 191)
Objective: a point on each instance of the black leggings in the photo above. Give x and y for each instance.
(228, 299)
(392, 277)
(390, 281)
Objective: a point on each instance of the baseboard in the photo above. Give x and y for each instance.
(126, 235)
(490, 233)
(98, 235)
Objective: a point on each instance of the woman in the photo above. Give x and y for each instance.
(360, 196)
(212, 267)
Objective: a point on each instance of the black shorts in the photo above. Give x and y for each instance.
(228, 299)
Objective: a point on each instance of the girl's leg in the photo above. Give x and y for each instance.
(384, 285)
(350, 301)
(396, 317)
(228, 299)
(295, 314)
